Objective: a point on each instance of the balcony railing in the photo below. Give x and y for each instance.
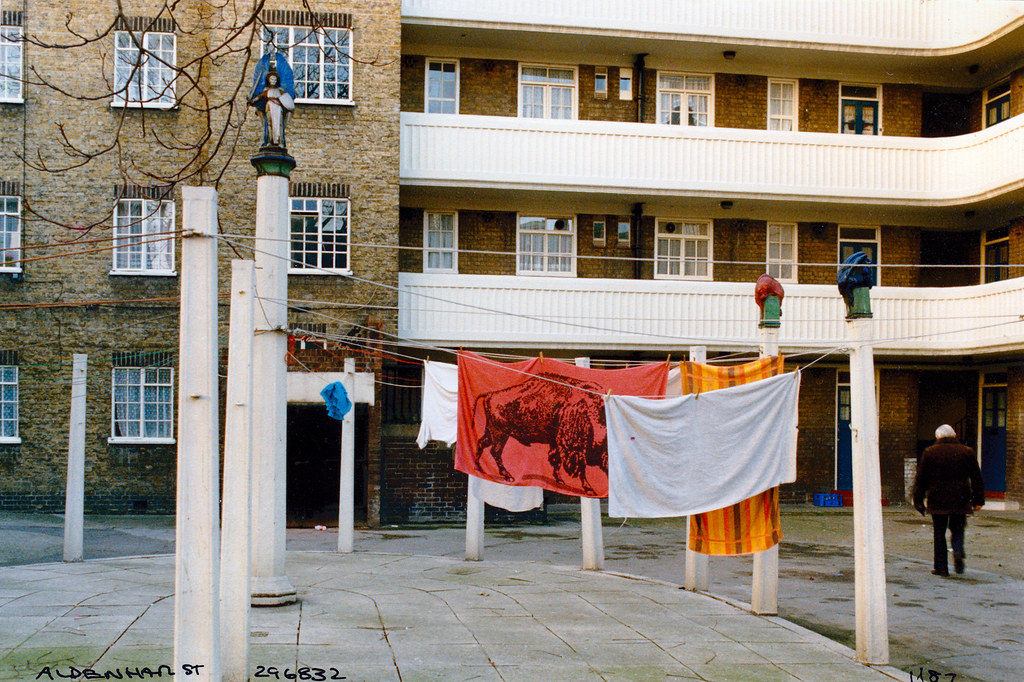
(613, 314)
(865, 24)
(627, 158)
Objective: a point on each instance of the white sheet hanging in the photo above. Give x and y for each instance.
(696, 453)
(439, 410)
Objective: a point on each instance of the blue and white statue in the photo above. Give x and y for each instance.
(273, 94)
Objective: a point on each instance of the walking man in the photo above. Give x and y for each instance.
(949, 478)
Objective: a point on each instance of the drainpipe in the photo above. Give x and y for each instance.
(638, 215)
(638, 80)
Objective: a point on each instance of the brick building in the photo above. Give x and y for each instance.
(524, 182)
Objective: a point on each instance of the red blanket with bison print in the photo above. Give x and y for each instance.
(541, 422)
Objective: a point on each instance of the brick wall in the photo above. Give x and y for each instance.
(410, 233)
(819, 106)
(897, 428)
(817, 243)
(816, 445)
(610, 108)
(744, 244)
(413, 75)
(741, 101)
(946, 247)
(901, 110)
(489, 87)
(1016, 246)
(1017, 92)
(612, 258)
(902, 246)
(1015, 434)
(420, 486)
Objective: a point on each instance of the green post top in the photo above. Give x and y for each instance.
(771, 313)
(861, 304)
(273, 161)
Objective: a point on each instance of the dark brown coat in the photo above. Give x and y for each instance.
(949, 477)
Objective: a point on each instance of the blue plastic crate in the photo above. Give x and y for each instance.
(828, 500)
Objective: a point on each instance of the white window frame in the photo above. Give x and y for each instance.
(782, 118)
(600, 76)
(12, 64)
(776, 265)
(9, 379)
(289, 50)
(440, 250)
(315, 206)
(620, 242)
(877, 241)
(10, 233)
(600, 238)
(625, 79)
(547, 91)
(545, 254)
(665, 114)
(427, 98)
(147, 232)
(138, 63)
(989, 99)
(685, 237)
(987, 241)
(149, 381)
(877, 99)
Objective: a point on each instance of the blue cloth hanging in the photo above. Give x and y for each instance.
(336, 397)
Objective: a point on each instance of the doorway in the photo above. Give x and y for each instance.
(844, 437)
(993, 434)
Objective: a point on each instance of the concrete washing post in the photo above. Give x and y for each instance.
(697, 564)
(74, 501)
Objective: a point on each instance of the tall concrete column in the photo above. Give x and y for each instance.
(591, 532)
(74, 501)
(346, 491)
(697, 564)
(270, 585)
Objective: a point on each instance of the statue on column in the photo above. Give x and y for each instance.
(273, 95)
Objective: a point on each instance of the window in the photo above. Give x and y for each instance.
(10, 63)
(782, 251)
(546, 246)
(859, 109)
(782, 105)
(600, 231)
(682, 249)
(996, 252)
(997, 104)
(10, 234)
(8, 397)
(143, 237)
(142, 408)
(625, 83)
(144, 69)
(685, 99)
(547, 92)
(601, 82)
(320, 236)
(442, 95)
(854, 239)
(440, 242)
(321, 59)
(622, 232)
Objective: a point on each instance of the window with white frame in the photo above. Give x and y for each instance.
(10, 234)
(685, 99)
(860, 109)
(8, 397)
(440, 242)
(995, 253)
(625, 82)
(10, 63)
(600, 232)
(442, 87)
(547, 246)
(144, 65)
(143, 237)
(997, 104)
(547, 92)
(782, 251)
(853, 239)
(142, 404)
(601, 82)
(682, 249)
(321, 60)
(320, 236)
(782, 104)
(623, 232)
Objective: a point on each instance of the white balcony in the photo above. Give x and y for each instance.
(648, 160)
(585, 314)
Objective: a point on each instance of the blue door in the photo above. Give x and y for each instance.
(844, 440)
(870, 249)
(993, 438)
(860, 117)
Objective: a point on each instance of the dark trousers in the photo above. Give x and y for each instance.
(956, 523)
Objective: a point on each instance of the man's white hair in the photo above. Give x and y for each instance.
(945, 431)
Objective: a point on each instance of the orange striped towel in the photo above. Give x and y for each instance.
(753, 524)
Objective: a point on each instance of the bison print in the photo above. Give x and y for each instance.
(564, 414)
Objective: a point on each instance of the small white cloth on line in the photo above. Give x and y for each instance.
(439, 421)
(696, 453)
(439, 406)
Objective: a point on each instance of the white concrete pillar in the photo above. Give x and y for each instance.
(697, 564)
(591, 531)
(270, 585)
(764, 589)
(74, 500)
(474, 526)
(197, 541)
(236, 510)
(346, 495)
(872, 631)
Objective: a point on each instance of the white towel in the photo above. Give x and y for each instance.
(696, 453)
(438, 414)
(439, 406)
